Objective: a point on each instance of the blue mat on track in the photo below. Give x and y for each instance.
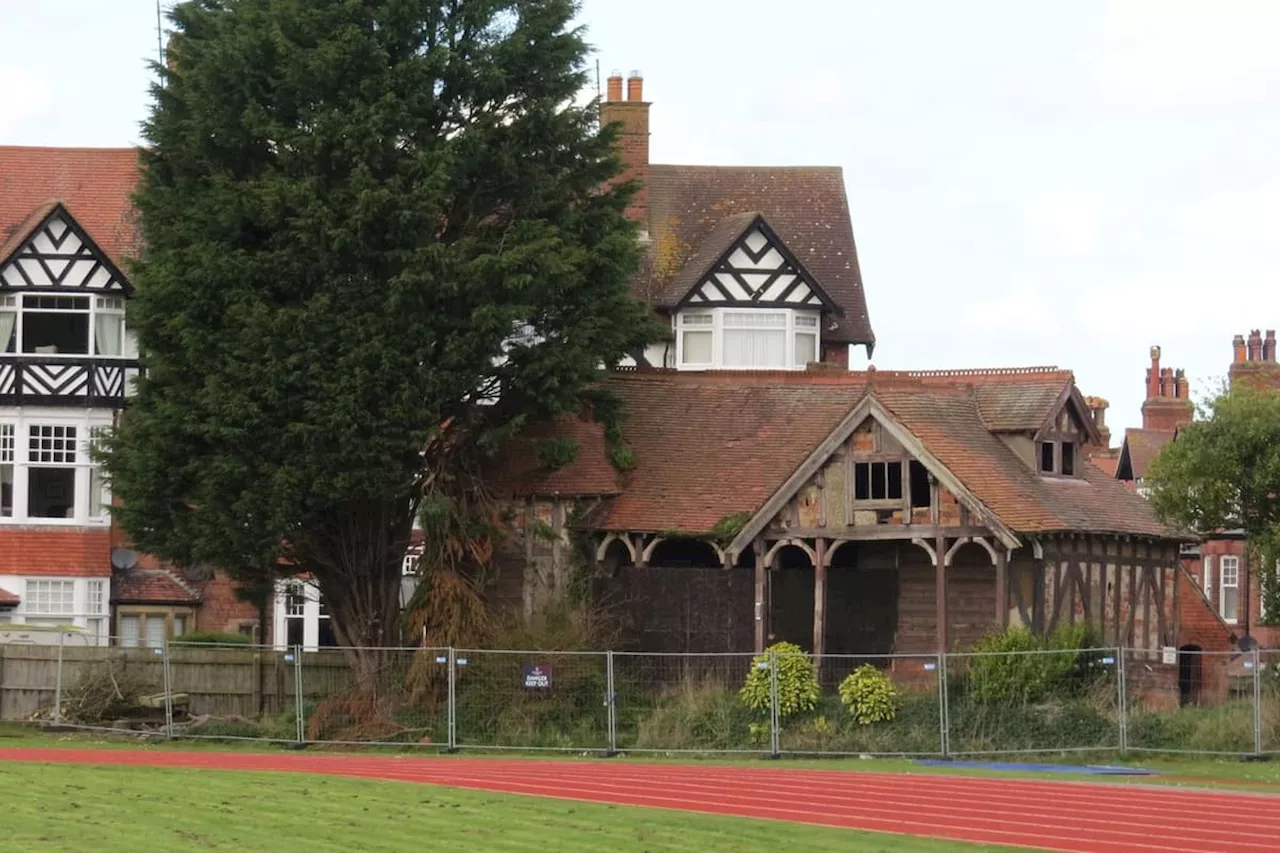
(1039, 768)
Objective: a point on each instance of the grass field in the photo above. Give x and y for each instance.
(119, 810)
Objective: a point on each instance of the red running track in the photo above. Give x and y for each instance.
(1072, 817)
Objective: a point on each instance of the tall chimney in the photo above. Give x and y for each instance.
(1153, 374)
(633, 139)
(1182, 387)
(1237, 349)
(1269, 346)
(1166, 382)
(1255, 345)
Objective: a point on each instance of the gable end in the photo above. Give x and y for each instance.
(58, 254)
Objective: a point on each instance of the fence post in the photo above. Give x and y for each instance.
(299, 710)
(168, 689)
(611, 703)
(1257, 702)
(940, 665)
(57, 687)
(1122, 699)
(775, 717)
(453, 700)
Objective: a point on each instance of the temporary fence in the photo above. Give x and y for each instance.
(1034, 702)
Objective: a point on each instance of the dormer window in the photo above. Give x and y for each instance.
(1058, 458)
(746, 339)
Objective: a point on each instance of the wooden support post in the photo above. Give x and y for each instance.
(1037, 597)
(940, 590)
(819, 600)
(762, 608)
(1002, 588)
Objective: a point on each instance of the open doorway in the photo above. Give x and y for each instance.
(1190, 675)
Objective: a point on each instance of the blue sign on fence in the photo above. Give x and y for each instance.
(930, 667)
(441, 659)
(537, 677)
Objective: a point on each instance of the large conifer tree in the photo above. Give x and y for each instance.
(376, 238)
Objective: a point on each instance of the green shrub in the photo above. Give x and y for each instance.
(705, 716)
(797, 682)
(868, 695)
(215, 638)
(1016, 666)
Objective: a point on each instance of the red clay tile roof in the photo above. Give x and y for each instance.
(520, 472)
(1139, 448)
(1106, 461)
(806, 207)
(8, 599)
(710, 445)
(150, 586)
(94, 184)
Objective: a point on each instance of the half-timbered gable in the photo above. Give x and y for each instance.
(872, 512)
(753, 267)
(58, 255)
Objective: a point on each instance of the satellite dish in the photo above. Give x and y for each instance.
(1247, 643)
(123, 559)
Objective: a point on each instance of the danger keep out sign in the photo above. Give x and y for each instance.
(537, 678)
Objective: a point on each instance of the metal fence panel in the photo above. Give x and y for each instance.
(686, 703)
(866, 705)
(231, 692)
(1269, 700)
(531, 700)
(1190, 701)
(404, 702)
(1033, 702)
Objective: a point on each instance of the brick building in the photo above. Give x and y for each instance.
(1218, 574)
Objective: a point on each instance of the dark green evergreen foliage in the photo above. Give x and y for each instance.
(347, 208)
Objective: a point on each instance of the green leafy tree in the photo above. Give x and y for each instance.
(1223, 473)
(377, 237)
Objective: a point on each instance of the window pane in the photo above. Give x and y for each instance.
(179, 626)
(64, 333)
(50, 597)
(895, 480)
(756, 320)
(155, 631)
(1046, 457)
(879, 485)
(6, 490)
(1068, 458)
(697, 347)
(695, 319)
(755, 347)
(806, 349)
(1229, 596)
(51, 492)
(862, 481)
(129, 632)
(8, 330)
(108, 334)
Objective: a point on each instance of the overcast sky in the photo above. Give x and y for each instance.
(1030, 182)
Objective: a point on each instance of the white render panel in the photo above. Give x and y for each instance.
(33, 263)
(756, 241)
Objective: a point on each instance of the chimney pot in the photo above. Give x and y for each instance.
(1254, 348)
(614, 92)
(635, 87)
(1238, 349)
(1153, 374)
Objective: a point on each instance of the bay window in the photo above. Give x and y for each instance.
(47, 471)
(746, 339)
(58, 324)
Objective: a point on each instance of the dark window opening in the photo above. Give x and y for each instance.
(51, 492)
(877, 481)
(1046, 457)
(920, 497)
(1068, 458)
(684, 554)
(293, 631)
(56, 331)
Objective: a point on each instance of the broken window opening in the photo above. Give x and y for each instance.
(877, 481)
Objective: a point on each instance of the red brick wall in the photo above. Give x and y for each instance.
(75, 552)
(221, 610)
(835, 353)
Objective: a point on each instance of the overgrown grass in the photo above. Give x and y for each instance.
(118, 810)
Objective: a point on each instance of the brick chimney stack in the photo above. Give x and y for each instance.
(1168, 404)
(1098, 408)
(1269, 346)
(633, 138)
(1237, 349)
(1254, 359)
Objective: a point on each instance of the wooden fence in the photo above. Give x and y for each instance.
(221, 682)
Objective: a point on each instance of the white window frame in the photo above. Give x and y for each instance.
(1228, 563)
(1208, 576)
(44, 591)
(797, 323)
(86, 510)
(9, 465)
(312, 614)
(98, 305)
